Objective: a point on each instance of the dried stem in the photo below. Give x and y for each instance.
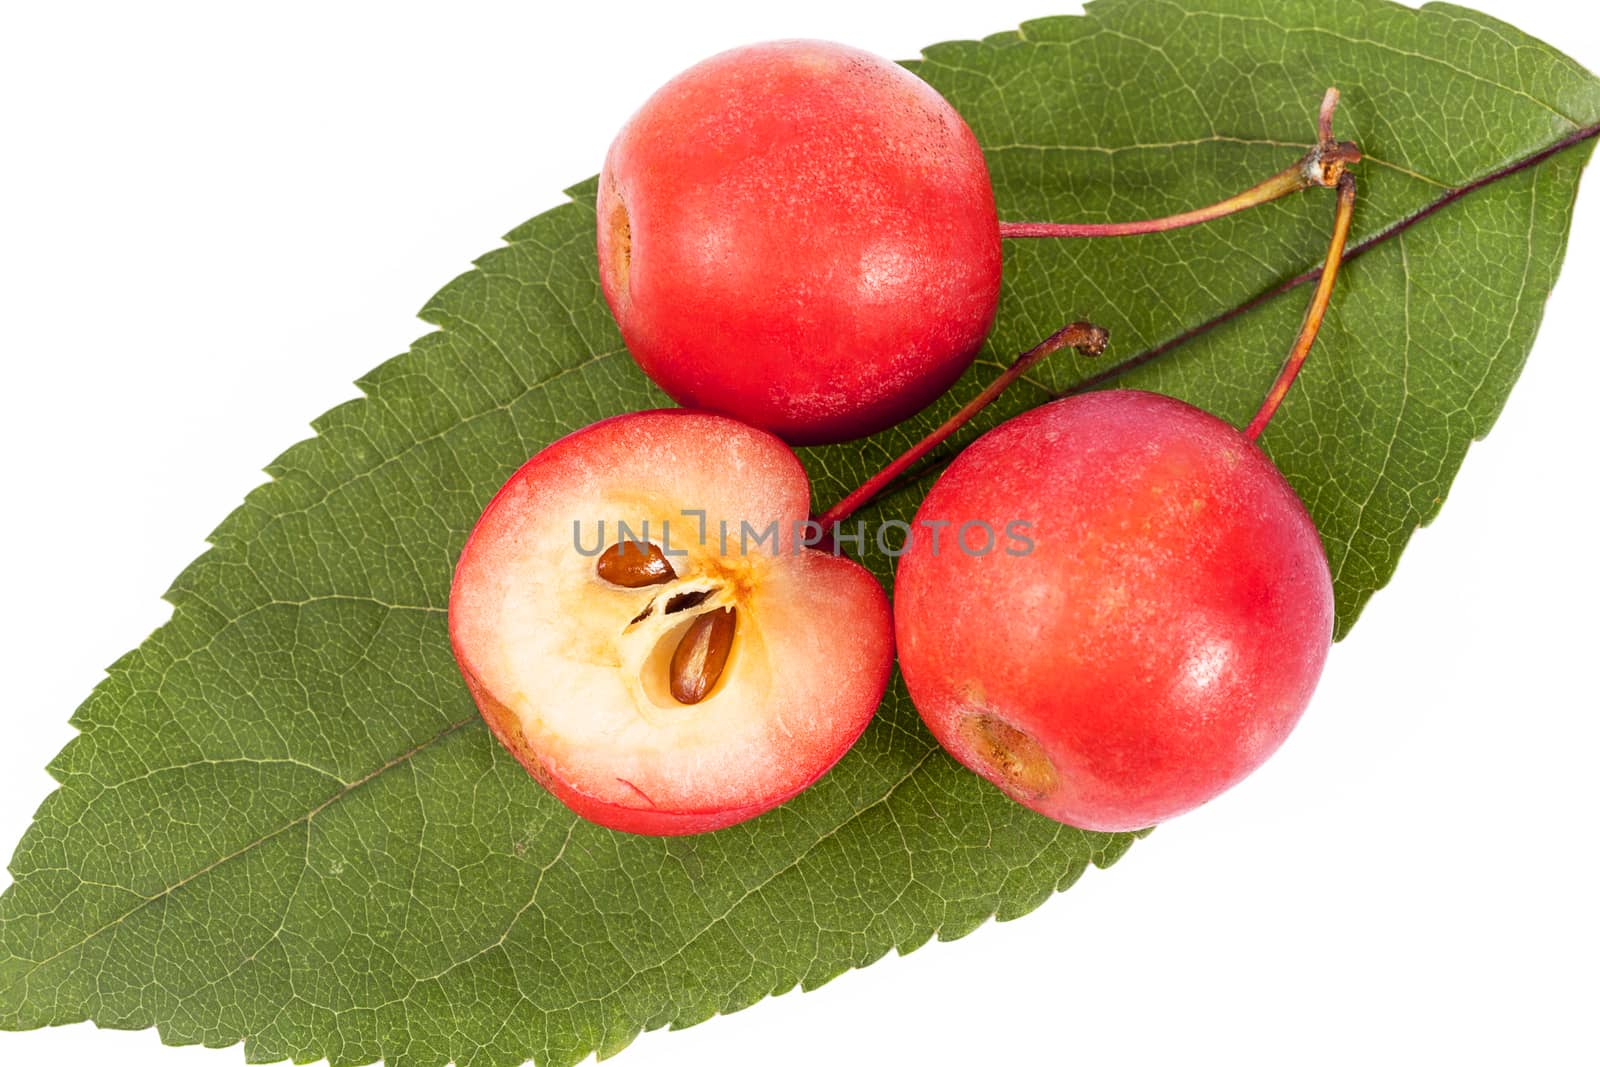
(1086, 337)
(1314, 311)
(1365, 245)
(1321, 166)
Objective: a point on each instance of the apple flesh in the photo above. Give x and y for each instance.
(801, 235)
(652, 691)
(1160, 639)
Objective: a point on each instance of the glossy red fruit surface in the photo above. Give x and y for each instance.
(801, 235)
(684, 691)
(1157, 643)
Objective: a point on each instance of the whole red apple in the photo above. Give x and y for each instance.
(1113, 607)
(801, 235)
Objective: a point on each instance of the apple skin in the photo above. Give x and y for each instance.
(1160, 640)
(801, 235)
(504, 723)
(530, 621)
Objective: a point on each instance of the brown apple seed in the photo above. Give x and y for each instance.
(701, 654)
(633, 565)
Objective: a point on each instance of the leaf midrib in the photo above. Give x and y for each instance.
(1452, 194)
(271, 835)
(1109, 375)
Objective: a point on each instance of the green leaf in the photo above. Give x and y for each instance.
(283, 823)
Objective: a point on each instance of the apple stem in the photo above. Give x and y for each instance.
(1330, 101)
(1087, 338)
(1321, 166)
(1314, 311)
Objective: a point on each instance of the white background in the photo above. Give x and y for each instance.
(215, 217)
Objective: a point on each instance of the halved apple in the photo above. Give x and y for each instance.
(644, 624)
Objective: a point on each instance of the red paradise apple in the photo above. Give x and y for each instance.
(801, 235)
(1158, 642)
